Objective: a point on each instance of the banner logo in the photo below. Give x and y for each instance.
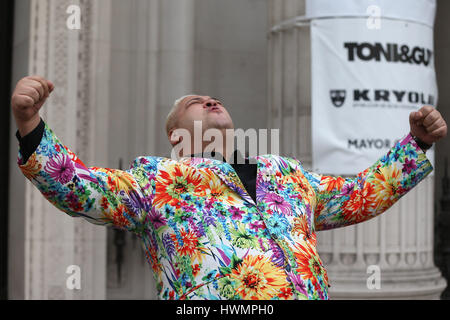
(382, 98)
(337, 97)
(390, 52)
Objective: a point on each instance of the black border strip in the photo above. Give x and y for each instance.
(6, 47)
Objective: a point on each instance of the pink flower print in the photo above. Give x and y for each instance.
(278, 204)
(60, 168)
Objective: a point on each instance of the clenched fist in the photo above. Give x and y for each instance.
(428, 125)
(27, 99)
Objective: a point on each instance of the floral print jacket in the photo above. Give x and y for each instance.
(204, 236)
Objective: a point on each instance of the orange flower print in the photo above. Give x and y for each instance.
(175, 181)
(285, 293)
(195, 269)
(189, 246)
(309, 264)
(302, 186)
(300, 227)
(360, 205)
(386, 183)
(118, 180)
(32, 168)
(104, 203)
(117, 215)
(152, 258)
(332, 183)
(258, 278)
(215, 188)
(320, 206)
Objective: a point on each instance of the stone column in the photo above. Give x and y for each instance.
(152, 64)
(400, 241)
(75, 111)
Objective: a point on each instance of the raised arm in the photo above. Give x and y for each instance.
(101, 196)
(346, 201)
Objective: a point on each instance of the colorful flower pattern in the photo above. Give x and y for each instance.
(204, 236)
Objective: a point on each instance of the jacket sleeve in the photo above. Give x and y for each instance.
(345, 201)
(117, 198)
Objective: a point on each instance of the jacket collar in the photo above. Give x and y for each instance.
(216, 163)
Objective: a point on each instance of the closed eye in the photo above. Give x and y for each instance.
(192, 101)
(200, 101)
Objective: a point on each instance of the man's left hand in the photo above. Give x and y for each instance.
(428, 125)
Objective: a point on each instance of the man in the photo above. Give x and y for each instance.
(212, 230)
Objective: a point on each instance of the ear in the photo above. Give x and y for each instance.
(174, 138)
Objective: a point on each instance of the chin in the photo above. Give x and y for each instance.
(225, 125)
(220, 124)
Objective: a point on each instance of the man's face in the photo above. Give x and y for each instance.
(209, 110)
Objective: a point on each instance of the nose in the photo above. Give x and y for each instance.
(210, 103)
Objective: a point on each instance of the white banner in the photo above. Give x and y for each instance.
(419, 11)
(365, 83)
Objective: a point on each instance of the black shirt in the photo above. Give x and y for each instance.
(245, 170)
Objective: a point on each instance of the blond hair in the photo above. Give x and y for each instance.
(171, 120)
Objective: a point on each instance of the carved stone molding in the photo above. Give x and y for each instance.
(55, 241)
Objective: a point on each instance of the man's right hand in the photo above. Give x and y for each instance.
(27, 99)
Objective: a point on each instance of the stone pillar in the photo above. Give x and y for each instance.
(54, 241)
(176, 60)
(400, 241)
(152, 64)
